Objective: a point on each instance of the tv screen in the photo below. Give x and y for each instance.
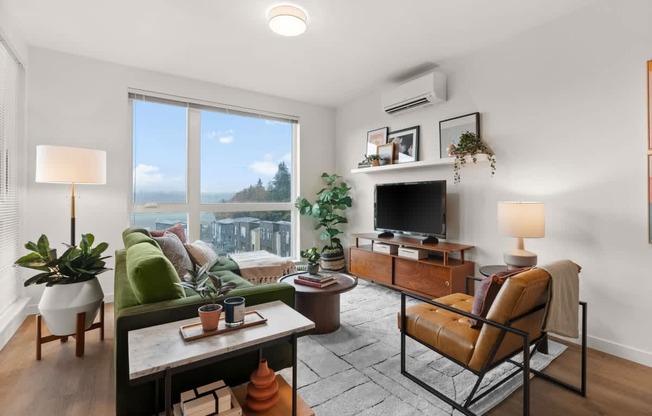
(412, 208)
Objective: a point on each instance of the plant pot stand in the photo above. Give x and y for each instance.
(79, 335)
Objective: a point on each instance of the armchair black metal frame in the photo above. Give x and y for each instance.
(539, 344)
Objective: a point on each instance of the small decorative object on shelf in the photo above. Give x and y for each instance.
(470, 145)
(312, 255)
(198, 282)
(212, 399)
(262, 391)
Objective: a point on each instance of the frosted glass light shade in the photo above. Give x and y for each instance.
(61, 164)
(522, 219)
(287, 20)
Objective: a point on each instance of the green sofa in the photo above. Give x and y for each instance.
(130, 314)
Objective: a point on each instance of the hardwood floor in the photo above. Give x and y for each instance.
(62, 384)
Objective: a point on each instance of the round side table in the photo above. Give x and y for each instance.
(491, 269)
(322, 306)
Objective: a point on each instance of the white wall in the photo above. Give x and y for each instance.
(564, 108)
(83, 102)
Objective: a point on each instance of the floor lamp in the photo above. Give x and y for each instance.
(70, 165)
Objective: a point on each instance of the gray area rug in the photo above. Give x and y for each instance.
(356, 369)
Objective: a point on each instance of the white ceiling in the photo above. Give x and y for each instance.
(350, 47)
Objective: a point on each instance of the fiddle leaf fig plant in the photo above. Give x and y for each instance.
(206, 284)
(470, 145)
(328, 209)
(76, 264)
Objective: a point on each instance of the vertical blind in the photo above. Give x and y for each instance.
(9, 78)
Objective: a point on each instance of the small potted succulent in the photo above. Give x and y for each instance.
(312, 256)
(209, 286)
(70, 279)
(470, 145)
(374, 160)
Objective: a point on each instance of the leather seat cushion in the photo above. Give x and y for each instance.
(447, 332)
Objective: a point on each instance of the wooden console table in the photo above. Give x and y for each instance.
(437, 275)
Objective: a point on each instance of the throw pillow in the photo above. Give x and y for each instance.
(151, 275)
(176, 228)
(486, 293)
(201, 253)
(174, 250)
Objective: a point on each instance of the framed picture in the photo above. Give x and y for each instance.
(386, 153)
(450, 130)
(406, 144)
(376, 138)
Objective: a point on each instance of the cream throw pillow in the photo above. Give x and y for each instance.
(201, 253)
(173, 249)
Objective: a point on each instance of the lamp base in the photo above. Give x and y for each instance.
(519, 258)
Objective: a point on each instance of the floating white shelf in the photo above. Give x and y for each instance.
(481, 157)
(408, 165)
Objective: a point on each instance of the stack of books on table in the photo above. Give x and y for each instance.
(315, 280)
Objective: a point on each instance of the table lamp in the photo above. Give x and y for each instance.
(521, 220)
(70, 165)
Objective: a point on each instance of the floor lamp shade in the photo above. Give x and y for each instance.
(70, 165)
(521, 220)
(60, 164)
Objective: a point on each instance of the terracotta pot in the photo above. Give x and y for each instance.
(262, 391)
(209, 315)
(375, 162)
(61, 303)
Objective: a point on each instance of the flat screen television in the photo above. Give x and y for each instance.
(414, 208)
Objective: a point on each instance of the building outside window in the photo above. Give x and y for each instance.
(220, 172)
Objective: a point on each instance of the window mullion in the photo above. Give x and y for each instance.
(193, 185)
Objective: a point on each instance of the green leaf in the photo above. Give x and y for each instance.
(43, 245)
(37, 279)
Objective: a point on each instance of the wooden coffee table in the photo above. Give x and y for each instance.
(322, 306)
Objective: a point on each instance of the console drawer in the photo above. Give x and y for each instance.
(372, 266)
(426, 278)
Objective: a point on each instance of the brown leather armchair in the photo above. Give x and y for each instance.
(513, 325)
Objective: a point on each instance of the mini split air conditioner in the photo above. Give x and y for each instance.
(425, 90)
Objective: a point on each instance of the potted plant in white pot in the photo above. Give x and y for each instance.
(71, 281)
(470, 145)
(328, 210)
(312, 256)
(209, 286)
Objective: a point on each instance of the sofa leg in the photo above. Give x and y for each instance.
(543, 345)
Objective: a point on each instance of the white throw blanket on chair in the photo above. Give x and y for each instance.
(563, 298)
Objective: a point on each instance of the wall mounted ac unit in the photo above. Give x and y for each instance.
(425, 90)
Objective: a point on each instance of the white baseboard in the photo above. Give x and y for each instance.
(11, 320)
(613, 348)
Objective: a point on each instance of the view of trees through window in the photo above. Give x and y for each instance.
(243, 184)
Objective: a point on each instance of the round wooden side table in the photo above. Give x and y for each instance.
(322, 306)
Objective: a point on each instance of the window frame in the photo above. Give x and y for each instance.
(193, 206)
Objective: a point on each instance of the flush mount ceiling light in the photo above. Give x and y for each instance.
(287, 20)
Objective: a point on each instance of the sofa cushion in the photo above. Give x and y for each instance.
(133, 239)
(201, 253)
(176, 229)
(151, 275)
(174, 250)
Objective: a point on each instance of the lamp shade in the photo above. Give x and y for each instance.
(522, 219)
(287, 20)
(61, 164)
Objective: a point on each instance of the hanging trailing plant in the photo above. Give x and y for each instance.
(470, 145)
